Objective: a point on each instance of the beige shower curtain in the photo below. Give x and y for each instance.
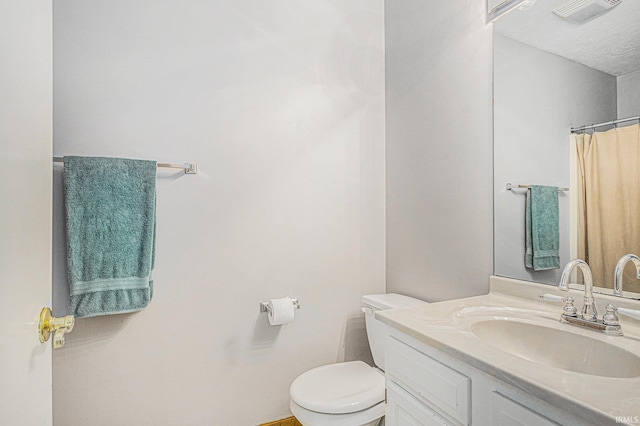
(609, 201)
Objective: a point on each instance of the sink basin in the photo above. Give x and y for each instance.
(557, 348)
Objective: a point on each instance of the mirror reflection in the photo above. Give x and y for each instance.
(561, 65)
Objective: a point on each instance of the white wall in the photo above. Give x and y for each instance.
(281, 103)
(629, 95)
(538, 97)
(439, 156)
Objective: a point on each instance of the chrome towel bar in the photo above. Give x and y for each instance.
(189, 168)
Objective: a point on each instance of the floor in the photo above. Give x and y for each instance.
(289, 421)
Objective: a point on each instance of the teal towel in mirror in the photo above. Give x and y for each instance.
(110, 208)
(542, 228)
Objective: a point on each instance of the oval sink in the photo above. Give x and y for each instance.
(558, 348)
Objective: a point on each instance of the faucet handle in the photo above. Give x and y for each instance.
(569, 309)
(633, 313)
(610, 317)
(552, 298)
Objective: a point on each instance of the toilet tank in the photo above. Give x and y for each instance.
(377, 331)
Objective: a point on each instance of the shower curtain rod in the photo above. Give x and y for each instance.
(189, 168)
(607, 123)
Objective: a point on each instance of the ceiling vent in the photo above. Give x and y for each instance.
(580, 11)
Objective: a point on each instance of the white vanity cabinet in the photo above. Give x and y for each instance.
(426, 386)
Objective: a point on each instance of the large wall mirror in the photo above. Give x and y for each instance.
(553, 73)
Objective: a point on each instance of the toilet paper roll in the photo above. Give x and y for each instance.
(281, 311)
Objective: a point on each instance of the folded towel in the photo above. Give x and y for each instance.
(110, 213)
(542, 229)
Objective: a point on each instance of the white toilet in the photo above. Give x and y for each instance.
(349, 393)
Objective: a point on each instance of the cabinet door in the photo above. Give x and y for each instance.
(429, 380)
(506, 412)
(405, 410)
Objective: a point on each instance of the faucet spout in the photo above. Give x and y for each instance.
(589, 308)
(617, 280)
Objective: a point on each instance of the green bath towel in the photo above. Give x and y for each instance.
(110, 217)
(542, 229)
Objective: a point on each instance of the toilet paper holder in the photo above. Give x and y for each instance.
(264, 306)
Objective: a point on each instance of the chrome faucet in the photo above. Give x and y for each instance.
(589, 312)
(617, 280)
(589, 316)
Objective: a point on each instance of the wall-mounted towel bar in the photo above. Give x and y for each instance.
(511, 187)
(189, 168)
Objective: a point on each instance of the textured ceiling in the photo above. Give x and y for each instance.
(609, 43)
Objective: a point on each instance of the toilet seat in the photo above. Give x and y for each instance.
(342, 388)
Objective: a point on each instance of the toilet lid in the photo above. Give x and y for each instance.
(340, 388)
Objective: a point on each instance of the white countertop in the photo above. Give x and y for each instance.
(447, 326)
